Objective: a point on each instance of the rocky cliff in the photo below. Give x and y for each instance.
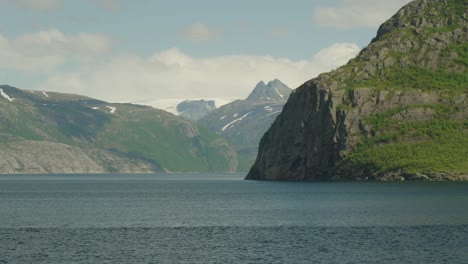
(397, 111)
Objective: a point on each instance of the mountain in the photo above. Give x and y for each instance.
(243, 122)
(44, 132)
(273, 91)
(398, 111)
(195, 109)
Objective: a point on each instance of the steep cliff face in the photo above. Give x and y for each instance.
(397, 111)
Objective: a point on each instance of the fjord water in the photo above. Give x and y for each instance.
(183, 218)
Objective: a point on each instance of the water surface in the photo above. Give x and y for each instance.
(208, 218)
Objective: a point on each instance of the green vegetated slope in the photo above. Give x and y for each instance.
(424, 50)
(173, 142)
(111, 137)
(399, 110)
(439, 144)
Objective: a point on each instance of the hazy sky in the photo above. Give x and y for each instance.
(134, 50)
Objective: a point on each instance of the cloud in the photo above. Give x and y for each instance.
(357, 13)
(46, 50)
(35, 5)
(172, 74)
(336, 54)
(199, 32)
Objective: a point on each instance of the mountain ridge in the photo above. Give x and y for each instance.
(104, 137)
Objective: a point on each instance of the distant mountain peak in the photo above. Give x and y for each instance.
(195, 109)
(276, 82)
(275, 90)
(260, 84)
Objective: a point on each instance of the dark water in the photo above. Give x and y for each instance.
(222, 219)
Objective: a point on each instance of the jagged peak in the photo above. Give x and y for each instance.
(274, 90)
(276, 82)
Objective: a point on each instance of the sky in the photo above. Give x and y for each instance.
(142, 50)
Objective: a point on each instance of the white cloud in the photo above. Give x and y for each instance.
(336, 54)
(46, 50)
(199, 32)
(39, 5)
(172, 74)
(171, 57)
(357, 13)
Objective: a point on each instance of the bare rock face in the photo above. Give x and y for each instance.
(406, 90)
(45, 157)
(33, 157)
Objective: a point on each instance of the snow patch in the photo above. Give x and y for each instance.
(282, 97)
(111, 109)
(96, 108)
(268, 108)
(235, 121)
(45, 94)
(222, 117)
(4, 95)
(274, 113)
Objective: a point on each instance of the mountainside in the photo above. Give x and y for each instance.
(43, 132)
(243, 122)
(195, 109)
(398, 111)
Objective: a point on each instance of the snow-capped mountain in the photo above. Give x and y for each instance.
(243, 122)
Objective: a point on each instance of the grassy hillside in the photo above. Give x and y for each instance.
(437, 145)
